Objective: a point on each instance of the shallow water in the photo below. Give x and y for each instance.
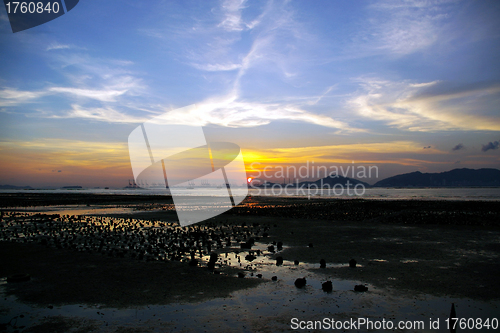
(271, 306)
(77, 210)
(267, 307)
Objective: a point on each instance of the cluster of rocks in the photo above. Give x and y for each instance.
(149, 240)
(140, 239)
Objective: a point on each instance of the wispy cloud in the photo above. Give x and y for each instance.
(108, 95)
(232, 15)
(57, 46)
(378, 152)
(217, 67)
(229, 112)
(234, 36)
(89, 80)
(104, 114)
(431, 106)
(403, 27)
(11, 97)
(458, 147)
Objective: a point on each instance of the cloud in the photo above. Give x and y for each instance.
(103, 80)
(458, 147)
(428, 106)
(11, 97)
(57, 46)
(428, 147)
(221, 39)
(490, 146)
(232, 15)
(100, 95)
(104, 114)
(217, 67)
(401, 152)
(62, 154)
(229, 112)
(402, 27)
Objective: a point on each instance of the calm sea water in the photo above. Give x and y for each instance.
(368, 193)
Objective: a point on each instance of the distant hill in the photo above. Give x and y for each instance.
(331, 181)
(13, 187)
(455, 177)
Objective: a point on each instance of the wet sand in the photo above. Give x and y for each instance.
(403, 248)
(68, 277)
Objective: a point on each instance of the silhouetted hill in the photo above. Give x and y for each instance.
(455, 177)
(331, 181)
(13, 187)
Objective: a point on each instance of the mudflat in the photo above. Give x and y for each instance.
(443, 248)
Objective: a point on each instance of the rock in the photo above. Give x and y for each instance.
(300, 282)
(322, 263)
(280, 246)
(213, 257)
(279, 261)
(296, 262)
(270, 248)
(274, 278)
(212, 261)
(259, 276)
(241, 275)
(310, 245)
(327, 286)
(360, 287)
(250, 257)
(352, 263)
(245, 245)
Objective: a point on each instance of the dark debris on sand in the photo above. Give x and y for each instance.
(116, 261)
(485, 213)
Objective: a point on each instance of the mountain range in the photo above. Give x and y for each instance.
(455, 177)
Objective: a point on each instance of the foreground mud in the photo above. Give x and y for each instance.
(415, 258)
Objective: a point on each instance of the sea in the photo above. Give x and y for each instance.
(440, 193)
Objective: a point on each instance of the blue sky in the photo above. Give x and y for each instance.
(405, 85)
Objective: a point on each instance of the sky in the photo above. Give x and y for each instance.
(401, 85)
